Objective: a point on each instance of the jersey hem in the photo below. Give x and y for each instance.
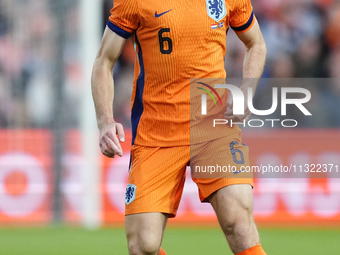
(162, 144)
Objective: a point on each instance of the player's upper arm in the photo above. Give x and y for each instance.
(124, 20)
(252, 37)
(111, 48)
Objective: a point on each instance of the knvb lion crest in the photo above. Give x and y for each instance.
(130, 193)
(216, 9)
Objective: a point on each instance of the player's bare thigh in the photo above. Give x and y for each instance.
(233, 198)
(144, 232)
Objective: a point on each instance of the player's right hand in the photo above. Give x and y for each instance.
(109, 143)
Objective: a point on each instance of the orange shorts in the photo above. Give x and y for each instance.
(157, 174)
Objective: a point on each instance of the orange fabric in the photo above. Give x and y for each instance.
(213, 164)
(162, 79)
(245, 30)
(256, 250)
(161, 252)
(159, 173)
(240, 11)
(125, 14)
(202, 127)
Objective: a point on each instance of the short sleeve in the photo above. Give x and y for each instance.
(124, 19)
(242, 16)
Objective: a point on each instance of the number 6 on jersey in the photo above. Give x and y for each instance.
(164, 39)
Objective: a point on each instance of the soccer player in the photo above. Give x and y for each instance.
(175, 41)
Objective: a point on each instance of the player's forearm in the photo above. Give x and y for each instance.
(253, 66)
(103, 92)
(254, 60)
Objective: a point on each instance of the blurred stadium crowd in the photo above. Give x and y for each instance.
(303, 40)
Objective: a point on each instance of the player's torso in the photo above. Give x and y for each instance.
(176, 41)
(197, 42)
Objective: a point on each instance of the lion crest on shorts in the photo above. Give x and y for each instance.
(130, 193)
(216, 9)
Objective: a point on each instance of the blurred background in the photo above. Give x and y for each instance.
(51, 172)
(303, 40)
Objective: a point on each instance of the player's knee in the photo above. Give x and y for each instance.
(240, 221)
(145, 246)
(239, 228)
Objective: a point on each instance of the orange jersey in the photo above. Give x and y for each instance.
(174, 41)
